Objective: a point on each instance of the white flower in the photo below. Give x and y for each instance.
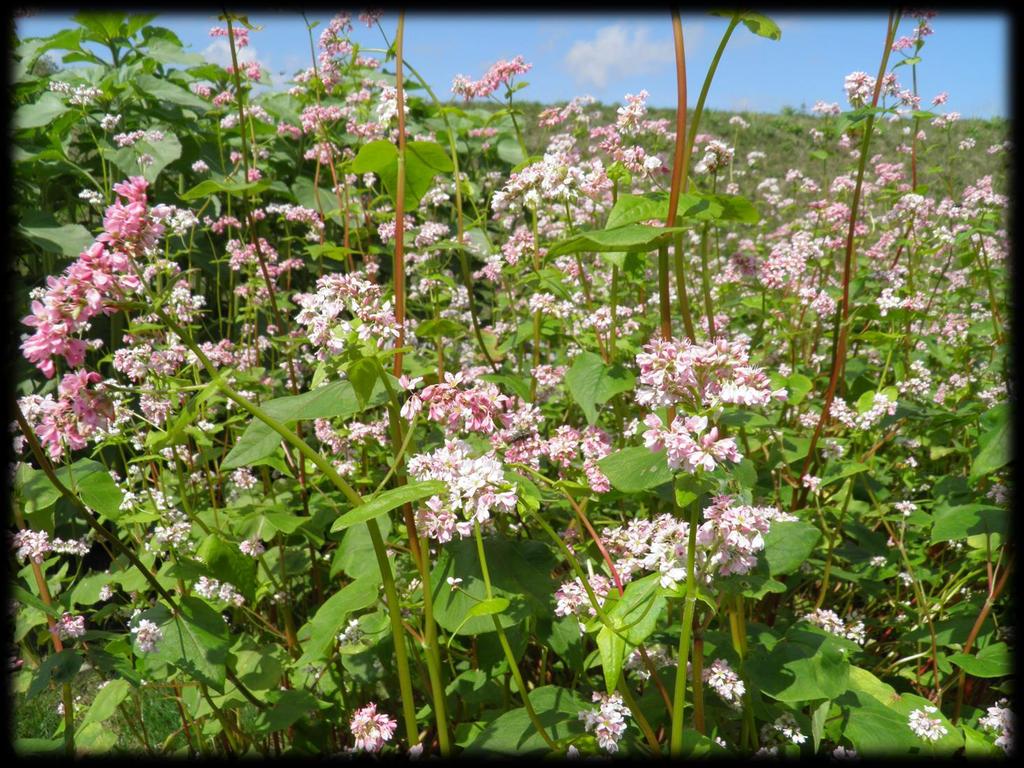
(925, 727)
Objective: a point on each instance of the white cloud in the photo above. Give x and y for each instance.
(219, 52)
(618, 51)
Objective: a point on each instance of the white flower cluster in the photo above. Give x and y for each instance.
(725, 682)
(830, 622)
(999, 718)
(608, 721)
(476, 486)
(212, 589)
(147, 635)
(925, 727)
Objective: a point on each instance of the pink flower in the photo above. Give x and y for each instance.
(371, 730)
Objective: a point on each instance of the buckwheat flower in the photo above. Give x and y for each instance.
(109, 122)
(811, 482)
(844, 753)
(878, 561)
(352, 633)
(69, 626)
(31, 545)
(371, 730)
(91, 196)
(147, 635)
(608, 721)
(725, 682)
(925, 727)
(1000, 718)
(252, 547)
(906, 507)
(786, 726)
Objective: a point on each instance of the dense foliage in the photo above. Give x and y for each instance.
(355, 414)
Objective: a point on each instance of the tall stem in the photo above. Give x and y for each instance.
(679, 697)
(399, 264)
(839, 350)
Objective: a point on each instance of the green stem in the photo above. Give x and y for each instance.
(513, 663)
(679, 697)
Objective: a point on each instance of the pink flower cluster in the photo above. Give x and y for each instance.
(463, 408)
(727, 542)
(100, 275)
(371, 730)
(322, 313)
(476, 486)
(687, 445)
(501, 73)
(608, 721)
(680, 372)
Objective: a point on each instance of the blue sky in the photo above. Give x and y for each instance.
(609, 55)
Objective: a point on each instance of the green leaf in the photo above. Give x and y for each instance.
(330, 617)
(385, 501)
(798, 386)
(39, 113)
(212, 186)
(423, 161)
(636, 469)
(362, 374)
(590, 382)
(227, 563)
(524, 579)
(106, 701)
(993, 452)
(837, 472)
(631, 237)
(196, 642)
(510, 151)
(991, 661)
(761, 25)
(788, 545)
(613, 652)
(440, 327)
(161, 89)
(513, 733)
(329, 401)
(798, 672)
(489, 607)
(289, 707)
(952, 523)
(629, 209)
(44, 231)
(60, 667)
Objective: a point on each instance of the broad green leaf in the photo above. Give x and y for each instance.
(212, 186)
(591, 382)
(788, 545)
(798, 672)
(196, 642)
(761, 25)
(513, 733)
(630, 209)
(636, 469)
(362, 374)
(953, 523)
(630, 237)
(39, 113)
(523, 578)
(44, 231)
(991, 661)
(161, 89)
(106, 701)
(60, 667)
(510, 151)
(385, 501)
(331, 617)
(613, 653)
(287, 708)
(441, 327)
(423, 161)
(227, 563)
(329, 401)
(993, 452)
